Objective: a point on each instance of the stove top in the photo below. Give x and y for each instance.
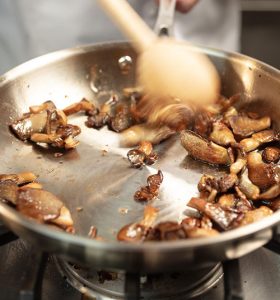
(21, 267)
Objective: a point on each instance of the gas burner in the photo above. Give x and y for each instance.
(104, 285)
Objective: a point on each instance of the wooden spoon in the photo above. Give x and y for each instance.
(166, 68)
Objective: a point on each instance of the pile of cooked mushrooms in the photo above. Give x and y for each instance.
(248, 147)
(244, 143)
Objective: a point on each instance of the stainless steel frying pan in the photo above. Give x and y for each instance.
(104, 184)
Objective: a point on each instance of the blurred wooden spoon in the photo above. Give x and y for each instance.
(166, 68)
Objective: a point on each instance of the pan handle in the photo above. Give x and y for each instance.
(165, 19)
(274, 243)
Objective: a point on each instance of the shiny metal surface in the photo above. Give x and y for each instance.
(103, 184)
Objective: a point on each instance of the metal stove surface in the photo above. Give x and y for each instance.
(260, 273)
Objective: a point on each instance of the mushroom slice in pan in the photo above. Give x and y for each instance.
(203, 123)
(201, 232)
(122, 119)
(221, 134)
(239, 164)
(255, 215)
(83, 105)
(167, 231)
(9, 191)
(137, 232)
(275, 204)
(244, 126)
(257, 139)
(261, 174)
(227, 201)
(47, 105)
(151, 191)
(247, 187)
(221, 184)
(43, 206)
(34, 123)
(204, 150)
(271, 193)
(19, 178)
(215, 212)
(143, 132)
(271, 154)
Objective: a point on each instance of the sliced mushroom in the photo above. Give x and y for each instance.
(204, 150)
(136, 158)
(239, 164)
(275, 204)
(34, 123)
(215, 212)
(221, 134)
(244, 126)
(137, 232)
(43, 206)
(227, 201)
(47, 105)
(271, 193)
(261, 174)
(203, 123)
(257, 140)
(143, 132)
(83, 105)
(9, 191)
(255, 215)
(19, 178)
(246, 186)
(167, 231)
(201, 232)
(151, 191)
(271, 154)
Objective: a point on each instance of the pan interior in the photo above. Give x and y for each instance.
(97, 175)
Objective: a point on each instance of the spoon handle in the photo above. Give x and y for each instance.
(131, 24)
(165, 19)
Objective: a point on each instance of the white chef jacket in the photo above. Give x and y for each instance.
(29, 28)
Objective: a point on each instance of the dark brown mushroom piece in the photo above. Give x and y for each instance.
(255, 215)
(34, 123)
(9, 191)
(275, 204)
(257, 140)
(122, 119)
(191, 222)
(142, 155)
(223, 218)
(222, 135)
(261, 174)
(98, 121)
(144, 132)
(47, 105)
(203, 123)
(203, 150)
(151, 191)
(271, 154)
(239, 163)
(137, 232)
(43, 206)
(83, 105)
(242, 125)
(167, 231)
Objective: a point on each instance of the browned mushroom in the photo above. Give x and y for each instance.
(203, 123)
(242, 125)
(227, 201)
(204, 150)
(142, 155)
(271, 193)
(255, 215)
(34, 123)
(137, 232)
(246, 186)
(257, 140)
(201, 232)
(151, 191)
(47, 105)
(215, 212)
(43, 206)
(222, 135)
(261, 174)
(239, 164)
(271, 154)
(275, 204)
(19, 178)
(9, 191)
(83, 105)
(144, 132)
(122, 119)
